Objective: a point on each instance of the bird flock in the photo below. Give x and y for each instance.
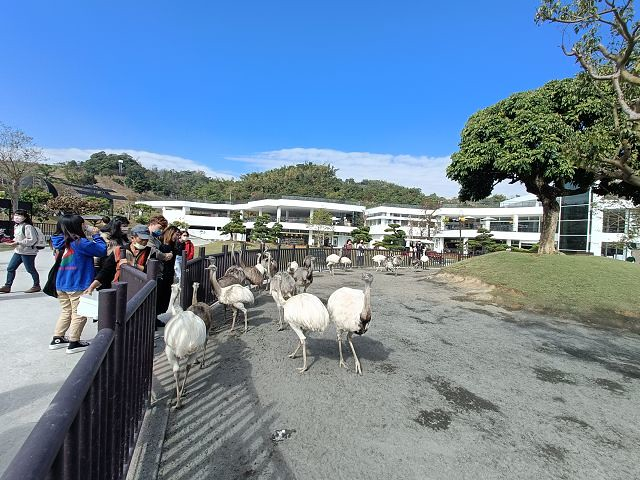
(349, 310)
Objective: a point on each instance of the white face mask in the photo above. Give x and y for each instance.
(139, 246)
(18, 218)
(124, 229)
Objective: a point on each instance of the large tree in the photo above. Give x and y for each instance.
(605, 40)
(523, 139)
(321, 225)
(19, 158)
(235, 227)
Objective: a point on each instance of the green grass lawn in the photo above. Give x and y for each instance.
(596, 289)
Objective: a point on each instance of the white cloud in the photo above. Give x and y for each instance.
(424, 172)
(147, 159)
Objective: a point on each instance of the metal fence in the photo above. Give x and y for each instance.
(194, 270)
(91, 426)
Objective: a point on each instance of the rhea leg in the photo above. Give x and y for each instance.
(342, 364)
(355, 357)
(240, 306)
(302, 344)
(235, 314)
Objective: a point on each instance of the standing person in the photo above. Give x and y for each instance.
(360, 254)
(25, 238)
(188, 245)
(115, 236)
(75, 275)
(419, 250)
(168, 246)
(157, 225)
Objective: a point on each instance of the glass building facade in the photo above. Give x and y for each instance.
(575, 219)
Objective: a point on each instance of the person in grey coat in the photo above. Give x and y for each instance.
(25, 239)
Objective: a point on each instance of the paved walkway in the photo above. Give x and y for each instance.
(31, 373)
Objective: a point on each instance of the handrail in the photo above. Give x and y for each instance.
(49, 433)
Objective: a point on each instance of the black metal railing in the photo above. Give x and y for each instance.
(90, 429)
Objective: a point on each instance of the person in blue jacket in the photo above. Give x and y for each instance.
(74, 276)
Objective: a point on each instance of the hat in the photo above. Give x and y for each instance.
(140, 231)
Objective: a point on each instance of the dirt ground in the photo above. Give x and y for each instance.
(451, 390)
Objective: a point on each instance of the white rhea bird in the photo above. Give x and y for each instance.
(379, 259)
(332, 260)
(350, 310)
(204, 311)
(283, 286)
(293, 266)
(345, 262)
(424, 259)
(235, 296)
(184, 335)
(304, 312)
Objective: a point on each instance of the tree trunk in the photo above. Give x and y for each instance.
(15, 195)
(549, 225)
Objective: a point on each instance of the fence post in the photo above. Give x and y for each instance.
(201, 252)
(153, 267)
(107, 309)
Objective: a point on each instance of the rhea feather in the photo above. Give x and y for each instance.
(184, 335)
(379, 260)
(332, 260)
(304, 312)
(283, 286)
(350, 311)
(202, 310)
(235, 296)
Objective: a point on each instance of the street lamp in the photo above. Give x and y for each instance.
(461, 219)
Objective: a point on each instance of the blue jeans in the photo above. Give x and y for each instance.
(29, 264)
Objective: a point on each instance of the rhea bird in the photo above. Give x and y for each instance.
(304, 312)
(350, 310)
(304, 274)
(282, 287)
(184, 335)
(332, 261)
(236, 296)
(379, 259)
(202, 310)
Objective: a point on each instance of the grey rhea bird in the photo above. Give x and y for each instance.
(204, 311)
(184, 335)
(304, 274)
(304, 312)
(282, 286)
(350, 310)
(236, 296)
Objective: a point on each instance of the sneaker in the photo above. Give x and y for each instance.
(34, 289)
(58, 342)
(79, 346)
(5, 289)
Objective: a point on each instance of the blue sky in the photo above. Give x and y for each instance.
(379, 89)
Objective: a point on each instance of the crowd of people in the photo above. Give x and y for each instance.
(89, 258)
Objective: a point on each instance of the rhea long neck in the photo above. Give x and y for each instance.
(366, 307)
(214, 283)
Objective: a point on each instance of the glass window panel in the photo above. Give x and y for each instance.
(578, 242)
(580, 199)
(573, 227)
(575, 213)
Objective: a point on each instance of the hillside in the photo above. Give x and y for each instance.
(308, 180)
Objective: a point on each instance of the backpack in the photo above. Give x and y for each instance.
(41, 243)
(41, 240)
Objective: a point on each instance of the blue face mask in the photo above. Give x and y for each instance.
(156, 233)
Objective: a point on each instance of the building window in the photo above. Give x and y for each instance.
(575, 242)
(574, 227)
(611, 249)
(529, 224)
(613, 221)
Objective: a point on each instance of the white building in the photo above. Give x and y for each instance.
(587, 224)
(206, 220)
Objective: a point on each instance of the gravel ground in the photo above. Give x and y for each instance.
(451, 390)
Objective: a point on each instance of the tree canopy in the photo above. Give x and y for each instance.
(606, 43)
(524, 138)
(235, 227)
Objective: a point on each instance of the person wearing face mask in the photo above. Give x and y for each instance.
(157, 225)
(188, 245)
(115, 236)
(24, 239)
